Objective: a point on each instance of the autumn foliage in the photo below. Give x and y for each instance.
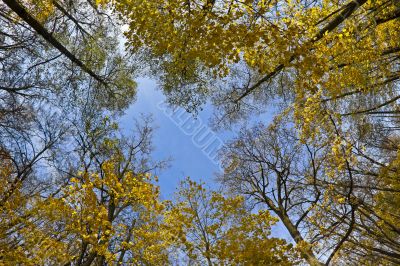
(76, 190)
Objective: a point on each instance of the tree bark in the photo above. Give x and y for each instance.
(295, 234)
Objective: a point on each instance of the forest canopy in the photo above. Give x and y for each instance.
(78, 190)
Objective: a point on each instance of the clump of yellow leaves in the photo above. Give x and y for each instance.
(23, 239)
(104, 216)
(220, 229)
(115, 208)
(40, 9)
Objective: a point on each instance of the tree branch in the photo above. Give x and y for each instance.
(346, 12)
(35, 24)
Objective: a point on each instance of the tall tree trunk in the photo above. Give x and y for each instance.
(295, 234)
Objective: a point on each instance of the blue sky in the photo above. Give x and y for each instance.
(170, 140)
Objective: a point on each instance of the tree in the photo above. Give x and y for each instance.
(41, 93)
(23, 234)
(331, 206)
(34, 51)
(219, 230)
(347, 50)
(106, 211)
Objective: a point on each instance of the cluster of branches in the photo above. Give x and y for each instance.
(48, 81)
(328, 165)
(61, 72)
(75, 190)
(342, 213)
